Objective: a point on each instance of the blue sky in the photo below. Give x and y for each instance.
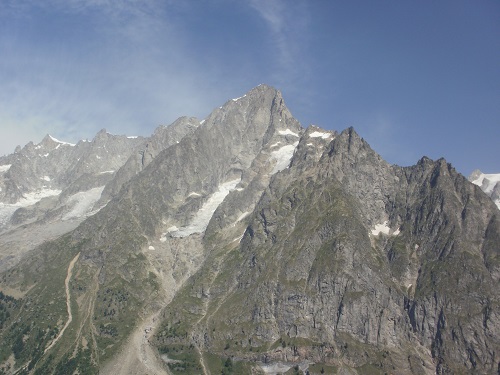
(414, 78)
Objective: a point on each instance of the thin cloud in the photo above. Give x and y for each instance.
(287, 22)
(128, 74)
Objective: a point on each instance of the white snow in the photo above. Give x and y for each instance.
(309, 144)
(82, 203)
(242, 216)
(61, 142)
(487, 182)
(202, 217)
(202, 122)
(381, 228)
(194, 194)
(275, 144)
(5, 168)
(283, 157)
(288, 132)
(7, 210)
(151, 248)
(132, 136)
(32, 198)
(385, 229)
(236, 99)
(97, 156)
(317, 134)
(46, 178)
(106, 172)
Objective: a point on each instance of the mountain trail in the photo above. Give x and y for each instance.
(68, 302)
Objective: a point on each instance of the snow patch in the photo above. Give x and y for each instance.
(288, 132)
(61, 142)
(82, 203)
(283, 157)
(236, 99)
(45, 178)
(32, 198)
(151, 248)
(396, 232)
(7, 210)
(275, 144)
(205, 213)
(242, 216)
(106, 172)
(194, 194)
(317, 134)
(202, 122)
(132, 136)
(5, 168)
(381, 228)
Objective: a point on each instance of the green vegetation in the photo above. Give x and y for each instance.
(320, 368)
(183, 359)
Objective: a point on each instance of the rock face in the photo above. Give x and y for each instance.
(245, 243)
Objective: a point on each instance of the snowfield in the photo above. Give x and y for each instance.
(203, 216)
(282, 157)
(82, 203)
(288, 132)
(5, 168)
(317, 134)
(7, 210)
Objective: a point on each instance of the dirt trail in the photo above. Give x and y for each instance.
(68, 302)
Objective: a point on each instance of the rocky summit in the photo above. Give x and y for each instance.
(244, 244)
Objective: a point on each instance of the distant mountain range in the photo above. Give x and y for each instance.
(244, 244)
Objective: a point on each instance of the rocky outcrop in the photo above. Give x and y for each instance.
(352, 263)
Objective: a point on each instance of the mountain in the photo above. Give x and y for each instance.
(245, 243)
(489, 183)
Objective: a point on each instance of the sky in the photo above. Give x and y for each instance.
(413, 78)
